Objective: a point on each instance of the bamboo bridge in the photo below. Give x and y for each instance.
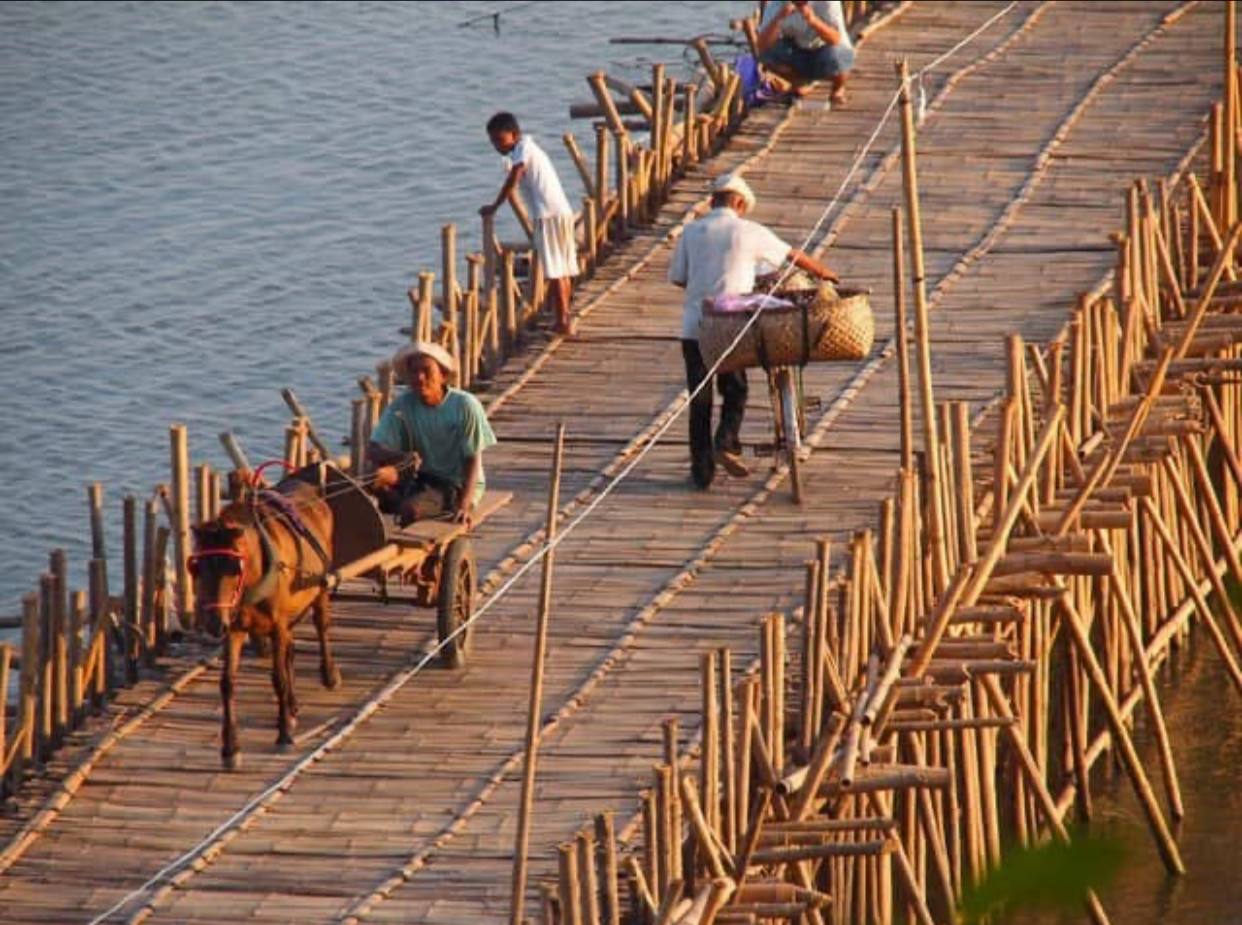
(674, 611)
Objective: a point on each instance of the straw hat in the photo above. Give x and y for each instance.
(402, 357)
(733, 183)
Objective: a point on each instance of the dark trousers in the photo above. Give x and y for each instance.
(733, 391)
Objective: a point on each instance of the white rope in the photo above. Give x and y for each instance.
(399, 680)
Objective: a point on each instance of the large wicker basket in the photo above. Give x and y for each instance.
(824, 324)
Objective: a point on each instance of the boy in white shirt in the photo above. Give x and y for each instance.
(531, 171)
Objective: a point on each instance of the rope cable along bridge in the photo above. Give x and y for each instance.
(658, 575)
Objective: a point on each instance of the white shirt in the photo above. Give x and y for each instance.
(717, 255)
(540, 186)
(795, 28)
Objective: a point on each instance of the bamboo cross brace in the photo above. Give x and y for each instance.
(1208, 292)
(1174, 552)
(1133, 630)
(1187, 509)
(968, 584)
(1104, 470)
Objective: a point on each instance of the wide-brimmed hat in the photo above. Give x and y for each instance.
(401, 359)
(733, 183)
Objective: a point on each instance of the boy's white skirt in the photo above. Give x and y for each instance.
(554, 243)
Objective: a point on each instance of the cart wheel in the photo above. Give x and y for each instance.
(792, 431)
(455, 601)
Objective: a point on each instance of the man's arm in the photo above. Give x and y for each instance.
(769, 33)
(510, 184)
(389, 465)
(465, 507)
(806, 262)
(828, 33)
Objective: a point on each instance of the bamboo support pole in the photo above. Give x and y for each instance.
(589, 884)
(517, 902)
(606, 844)
(131, 643)
(180, 466)
(601, 177)
(599, 87)
(922, 333)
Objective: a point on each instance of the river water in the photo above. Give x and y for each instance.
(204, 203)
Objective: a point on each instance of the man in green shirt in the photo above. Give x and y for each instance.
(427, 448)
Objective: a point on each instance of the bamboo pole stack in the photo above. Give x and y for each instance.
(920, 723)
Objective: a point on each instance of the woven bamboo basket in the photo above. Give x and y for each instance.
(823, 324)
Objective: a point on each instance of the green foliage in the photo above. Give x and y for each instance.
(1053, 875)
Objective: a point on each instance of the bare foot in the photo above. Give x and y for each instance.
(839, 97)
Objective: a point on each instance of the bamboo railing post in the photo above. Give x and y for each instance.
(1229, 189)
(78, 620)
(94, 500)
(358, 438)
(588, 881)
(508, 285)
(180, 466)
(727, 747)
(903, 344)
(60, 649)
(601, 178)
(474, 333)
(689, 137)
(517, 902)
(922, 331)
(448, 284)
(580, 162)
(45, 678)
(590, 227)
(622, 223)
(658, 140)
(29, 690)
(709, 762)
(146, 610)
(606, 846)
(129, 636)
(423, 325)
(100, 613)
(5, 656)
(570, 887)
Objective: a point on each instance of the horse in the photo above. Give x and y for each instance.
(258, 568)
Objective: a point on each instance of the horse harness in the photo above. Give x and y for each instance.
(281, 508)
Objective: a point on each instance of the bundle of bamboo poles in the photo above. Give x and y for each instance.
(953, 687)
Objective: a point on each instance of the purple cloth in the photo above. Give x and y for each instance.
(747, 303)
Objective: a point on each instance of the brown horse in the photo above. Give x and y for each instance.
(257, 573)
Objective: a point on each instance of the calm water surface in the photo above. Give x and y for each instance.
(203, 203)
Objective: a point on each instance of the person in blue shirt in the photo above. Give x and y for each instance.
(427, 448)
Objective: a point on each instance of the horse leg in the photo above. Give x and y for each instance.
(280, 683)
(328, 671)
(290, 676)
(230, 751)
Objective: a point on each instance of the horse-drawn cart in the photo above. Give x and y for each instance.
(432, 558)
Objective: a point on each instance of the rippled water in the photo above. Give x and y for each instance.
(203, 203)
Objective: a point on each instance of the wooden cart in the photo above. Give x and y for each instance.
(433, 559)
